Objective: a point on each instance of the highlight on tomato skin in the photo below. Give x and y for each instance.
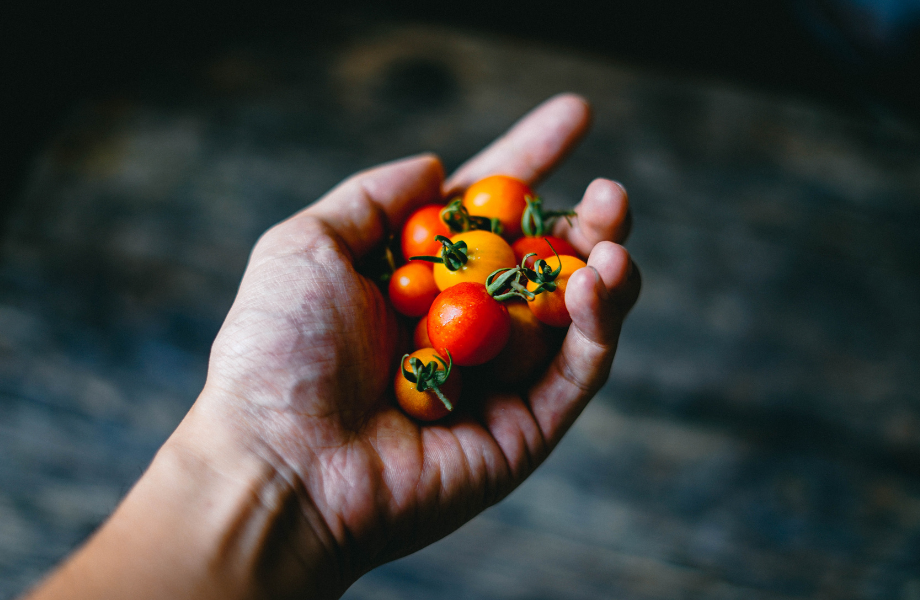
(549, 307)
(412, 288)
(426, 405)
(502, 197)
(541, 247)
(420, 229)
(469, 323)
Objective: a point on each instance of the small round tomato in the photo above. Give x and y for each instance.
(538, 245)
(549, 307)
(469, 323)
(427, 405)
(419, 231)
(420, 335)
(412, 288)
(485, 252)
(500, 197)
(529, 348)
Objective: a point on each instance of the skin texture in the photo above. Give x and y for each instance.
(294, 473)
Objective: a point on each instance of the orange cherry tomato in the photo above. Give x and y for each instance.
(529, 348)
(426, 405)
(526, 245)
(501, 197)
(420, 335)
(486, 252)
(549, 307)
(412, 288)
(419, 231)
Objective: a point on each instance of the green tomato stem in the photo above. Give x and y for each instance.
(427, 376)
(459, 220)
(535, 221)
(453, 256)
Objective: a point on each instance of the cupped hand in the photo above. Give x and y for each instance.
(302, 368)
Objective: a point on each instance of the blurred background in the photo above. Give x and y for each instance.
(760, 433)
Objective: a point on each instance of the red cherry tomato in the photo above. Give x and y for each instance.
(526, 245)
(419, 231)
(501, 197)
(426, 405)
(412, 288)
(549, 307)
(469, 323)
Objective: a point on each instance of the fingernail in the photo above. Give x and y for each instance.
(599, 285)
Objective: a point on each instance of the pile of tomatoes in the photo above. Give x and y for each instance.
(488, 286)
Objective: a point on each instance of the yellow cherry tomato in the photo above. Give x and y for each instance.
(485, 252)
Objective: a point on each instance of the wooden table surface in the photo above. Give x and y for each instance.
(760, 433)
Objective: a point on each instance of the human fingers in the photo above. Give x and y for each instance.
(365, 208)
(602, 215)
(532, 147)
(597, 298)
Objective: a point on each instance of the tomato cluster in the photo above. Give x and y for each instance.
(489, 286)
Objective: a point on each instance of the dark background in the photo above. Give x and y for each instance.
(759, 437)
(834, 50)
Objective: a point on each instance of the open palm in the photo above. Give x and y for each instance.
(307, 353)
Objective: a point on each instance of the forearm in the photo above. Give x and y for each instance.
(209, 519)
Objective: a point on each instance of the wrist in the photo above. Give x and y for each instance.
(210, 518)
(262, 533)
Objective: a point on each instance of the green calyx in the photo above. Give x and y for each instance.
(459, 219)
(511, 282)
(542, 274)
(535, 222)
(507, 283)
(428, 376)
(453, 256)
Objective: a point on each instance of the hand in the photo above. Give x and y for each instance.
(299, 383)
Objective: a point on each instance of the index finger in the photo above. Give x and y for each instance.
(364, 208)
(532, 147)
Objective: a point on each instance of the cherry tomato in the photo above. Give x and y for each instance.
(469, 323)
(529, 348)
(419, 231)
(549, 307)
(485, 252)
(412, 288)
(501, 197)
(420, 335)
(526, 245)
(426, 405)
